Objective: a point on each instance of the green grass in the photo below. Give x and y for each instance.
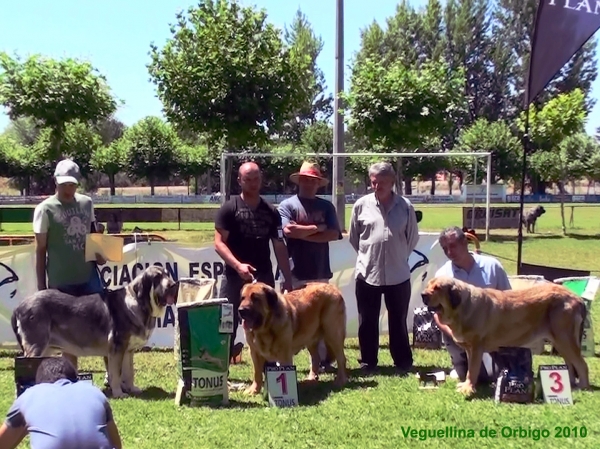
(371, 412)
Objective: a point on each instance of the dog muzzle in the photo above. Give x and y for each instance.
(157, 310)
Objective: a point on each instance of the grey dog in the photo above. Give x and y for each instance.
(112, 325)
(531, 216)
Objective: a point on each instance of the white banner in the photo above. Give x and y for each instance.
(17, 277)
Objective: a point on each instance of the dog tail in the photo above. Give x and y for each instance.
(14, 322)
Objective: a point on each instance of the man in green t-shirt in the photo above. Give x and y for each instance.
(61, 224)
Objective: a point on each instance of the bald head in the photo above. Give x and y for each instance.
(250, 179)
(247, 168)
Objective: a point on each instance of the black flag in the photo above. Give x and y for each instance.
(561, 28)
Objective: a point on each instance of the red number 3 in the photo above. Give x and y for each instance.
(557, 378)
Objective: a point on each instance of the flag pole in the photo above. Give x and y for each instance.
(522, 196)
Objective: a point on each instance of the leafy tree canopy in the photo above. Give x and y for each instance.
(226, 72)
(53, 92)
(399, 106)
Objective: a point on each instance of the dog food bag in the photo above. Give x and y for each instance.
(203, 332)
(516, 382)
(191, 290)
(585, 287)
(426, 333)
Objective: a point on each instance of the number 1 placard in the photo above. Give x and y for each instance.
(556, 384)
(282, 386)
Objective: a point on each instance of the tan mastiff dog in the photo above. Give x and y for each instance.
(483, 320)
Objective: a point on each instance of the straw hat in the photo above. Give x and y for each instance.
(311, 170)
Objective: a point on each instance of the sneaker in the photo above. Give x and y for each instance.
(453, 374)
(106, 380)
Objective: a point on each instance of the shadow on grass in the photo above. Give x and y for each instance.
(155, 394)
(313, 393)
(502, 238)
(148, 394)
(584, 236)
(392, 371)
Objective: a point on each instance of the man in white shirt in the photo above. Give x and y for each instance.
(383, 232)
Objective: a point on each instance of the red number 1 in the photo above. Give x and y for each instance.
(557, 378)
(281, 378)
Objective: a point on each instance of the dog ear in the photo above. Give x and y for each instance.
(455, 297)
(172, 293)
(272, 298)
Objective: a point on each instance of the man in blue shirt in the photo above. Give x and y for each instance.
(60, 413)
(475, 269)
(309, 224)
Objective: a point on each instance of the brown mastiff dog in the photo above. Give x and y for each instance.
(483, 319)
(278, 327)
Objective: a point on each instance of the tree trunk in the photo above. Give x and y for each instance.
(562, 206)
(589, 184)
(111, 181)
(450, 182)
(151, 186)
(399, 177)
(407, 185)
(432, 188)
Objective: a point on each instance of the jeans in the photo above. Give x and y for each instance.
(397, 299)
(94, 285)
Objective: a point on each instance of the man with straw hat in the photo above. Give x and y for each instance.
(309, 224)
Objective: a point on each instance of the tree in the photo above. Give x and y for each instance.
(227, 73)
(317, 105)
(152, 150)
(109, 129)
(79, 142)
(194, 160)
(398, 107)
(54, 93)
(560, 117)
(111, 160)
(572, 159)
(24, 129)
(497, 138)
(8, 146)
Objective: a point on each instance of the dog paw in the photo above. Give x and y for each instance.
(312, 377)
(252, 390)
(465, 388)
(340, 381)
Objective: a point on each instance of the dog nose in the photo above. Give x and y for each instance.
(425, 297)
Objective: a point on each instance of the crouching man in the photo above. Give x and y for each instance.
(475, 269)
(60, 412)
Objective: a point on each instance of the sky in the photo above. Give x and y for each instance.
(115, 36)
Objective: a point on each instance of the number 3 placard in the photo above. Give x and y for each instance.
(282, 385)
(556, 384)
